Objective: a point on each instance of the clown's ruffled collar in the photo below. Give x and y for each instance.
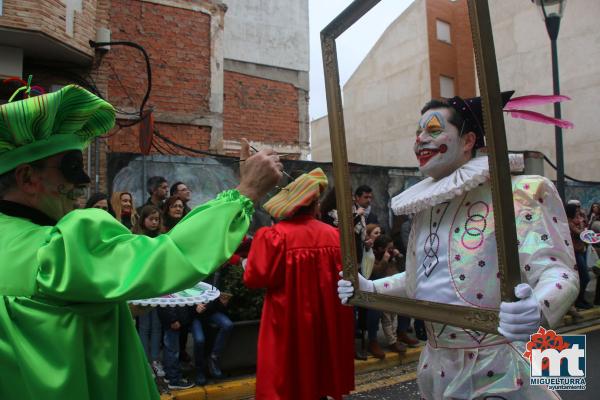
(430, 192)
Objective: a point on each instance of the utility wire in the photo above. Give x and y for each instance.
(148, 69)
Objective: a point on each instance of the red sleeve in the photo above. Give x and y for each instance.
(234, 260)
(265, 266)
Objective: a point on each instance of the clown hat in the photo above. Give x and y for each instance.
(300, 193)
(42, 126)
(472, 112)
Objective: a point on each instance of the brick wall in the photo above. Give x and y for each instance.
(456, 59)
(178, 44)
(259, 109)
(196, 137)
(49, 17)
(177, 41)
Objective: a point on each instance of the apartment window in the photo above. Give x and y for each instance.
(443, 31)
(446, 87)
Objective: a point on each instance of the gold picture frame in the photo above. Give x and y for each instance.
(508, 261)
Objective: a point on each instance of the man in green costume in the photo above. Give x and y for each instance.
(65, 329)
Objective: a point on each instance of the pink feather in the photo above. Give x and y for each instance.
(537, 117)
(534, 100)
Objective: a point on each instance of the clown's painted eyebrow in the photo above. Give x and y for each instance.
(434, 122)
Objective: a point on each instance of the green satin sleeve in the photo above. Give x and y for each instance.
(90, 257)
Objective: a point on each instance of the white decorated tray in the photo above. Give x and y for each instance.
(200, 293)
(590, 237)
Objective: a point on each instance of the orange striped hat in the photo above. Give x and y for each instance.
(299, 193)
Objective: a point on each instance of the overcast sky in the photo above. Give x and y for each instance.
(352, 46)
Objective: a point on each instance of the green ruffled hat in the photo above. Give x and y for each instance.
(41, 126)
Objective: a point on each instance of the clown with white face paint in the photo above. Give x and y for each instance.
(439, 147)
(451, 258)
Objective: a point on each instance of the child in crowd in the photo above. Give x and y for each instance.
(369, 317)
(174, 321)
(389, 261)
(212, 313)
(149, 328)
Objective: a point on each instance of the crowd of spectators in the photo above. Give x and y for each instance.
(586, 254)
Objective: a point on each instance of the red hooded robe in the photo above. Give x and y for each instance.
(306, 341)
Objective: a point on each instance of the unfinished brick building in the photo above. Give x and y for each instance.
(220, 71)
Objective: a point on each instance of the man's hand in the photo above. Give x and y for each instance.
(175, 325)
(200, 308)
(520, 319)
(360, 211)
(345, 288)
(259, 173)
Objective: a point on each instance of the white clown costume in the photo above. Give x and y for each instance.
(451, 258)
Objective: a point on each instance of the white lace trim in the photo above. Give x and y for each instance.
(430, 192)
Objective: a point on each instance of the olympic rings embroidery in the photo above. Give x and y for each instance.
(476, 224)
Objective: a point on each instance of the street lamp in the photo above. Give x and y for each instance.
(552, 11)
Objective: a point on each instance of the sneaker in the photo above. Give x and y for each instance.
(404, 338)
(361, 355)
(213, 367)
(582, 304)
(376, 350)
(574, 313)
(200, 379)
(158, 369)
(398, 347)
(180, 384)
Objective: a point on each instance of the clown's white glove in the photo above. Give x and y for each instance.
(521, 318)
(345, 288)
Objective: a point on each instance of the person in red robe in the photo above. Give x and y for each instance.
(306, 342)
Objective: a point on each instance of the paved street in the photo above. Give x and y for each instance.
(399, 383)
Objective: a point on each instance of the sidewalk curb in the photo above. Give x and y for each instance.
(243, 388)
(392, 359)
(590, 314)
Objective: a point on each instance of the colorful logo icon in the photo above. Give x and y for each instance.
(557, 361)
